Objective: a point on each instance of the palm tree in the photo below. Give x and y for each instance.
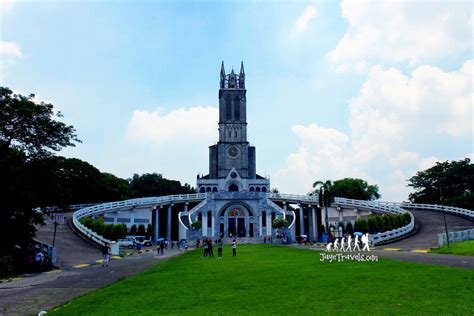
(324, 196)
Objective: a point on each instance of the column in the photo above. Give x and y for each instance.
(157, 223)
(213, 226)
(168, 226)
(314, 223)
(260, 222)
(301, 220)
(186, 205)
(182, 229)
(269, 223)
(204, 223)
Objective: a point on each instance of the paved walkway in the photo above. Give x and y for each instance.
(44, 291)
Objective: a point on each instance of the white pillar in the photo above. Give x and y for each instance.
(301, 220)
(213, 227)
(314, 222)
(204, 223)
(269, 223)
(260, 223)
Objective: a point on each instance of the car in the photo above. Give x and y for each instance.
(127, 242)
(141, 240)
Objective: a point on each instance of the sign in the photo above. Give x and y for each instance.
(57, 218)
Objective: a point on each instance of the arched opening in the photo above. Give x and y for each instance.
(200, 217)
(208, 189)
(264, 189)
(233, 188)
(202, 189)
(209, 219)
(228, 108)
(257, 189)
(214, 189)
(237, 109)
(252, 189)
(264, 219)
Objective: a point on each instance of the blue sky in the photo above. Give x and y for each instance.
(376, 90)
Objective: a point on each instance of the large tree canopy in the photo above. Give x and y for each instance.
(351, 188)
(153, 184)
(453, 180)
(30, 126)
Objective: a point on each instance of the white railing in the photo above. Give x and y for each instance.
(195, 209)
(127, 204)
(276, 207)
(439, 208)
(384, 207)
(294, 197)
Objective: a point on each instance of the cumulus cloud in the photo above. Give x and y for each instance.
(183, 125)
(9, 49)
(392, 114)
(401, 31)
(304, 19)
(6, 6)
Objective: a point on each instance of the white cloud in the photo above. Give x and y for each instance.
(305, 18)
(9, 49)
(178, 126)
(392, 114)
(412, 32)
(6, 6)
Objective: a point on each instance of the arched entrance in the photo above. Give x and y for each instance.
(236, 221)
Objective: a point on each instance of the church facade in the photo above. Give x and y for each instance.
(237, 204)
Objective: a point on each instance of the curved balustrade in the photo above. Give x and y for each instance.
(127, 204)
(294, 198)
(385, 207)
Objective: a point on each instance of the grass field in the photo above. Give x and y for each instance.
(266, 279)
(460, 248)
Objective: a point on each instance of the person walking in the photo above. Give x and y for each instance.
(211, 251)
(206, 248)
(162, 247)
(105, 255)
(220, 244)
(234, 248)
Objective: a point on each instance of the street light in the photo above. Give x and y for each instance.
(441, 198)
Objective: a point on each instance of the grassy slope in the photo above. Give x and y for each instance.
(460, 248)
(275, 280)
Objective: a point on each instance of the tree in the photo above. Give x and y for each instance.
(196, 225)
(133, 229)
(141, 230)
(29, 132)
(357, 189)
(153, 184)
(280, 223)
(453, 180)
(149, 231)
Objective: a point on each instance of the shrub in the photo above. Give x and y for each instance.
(196, 225)
(372, 224)
(349, 228)
(141, 230)
(133, 230)
(279, 223)
(380, 224)
(149, 230)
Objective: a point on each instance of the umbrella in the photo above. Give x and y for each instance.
(160, 239)
(358, 234)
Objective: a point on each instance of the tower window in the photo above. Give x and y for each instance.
(237, 109)
(228, 108)
(233, 188)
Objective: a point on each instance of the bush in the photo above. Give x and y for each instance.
(372, 224)
(380, 224)
(196, 225)
(149, 230)
(107, 231)
(133, 230)
(362, 225)
(349, 228)
(279, 223)
(141, 230)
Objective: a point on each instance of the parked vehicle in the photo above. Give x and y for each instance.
(127, 242)
(141, 240)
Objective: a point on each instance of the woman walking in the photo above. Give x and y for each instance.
(220, 243)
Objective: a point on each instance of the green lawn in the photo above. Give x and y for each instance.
(266, 279)
(460, 248)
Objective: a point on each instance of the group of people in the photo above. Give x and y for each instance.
(345, 243)
(208, 247)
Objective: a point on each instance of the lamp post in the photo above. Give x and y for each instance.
(441, 198)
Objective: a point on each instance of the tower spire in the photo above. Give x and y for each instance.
(222, 82)
(242, 72)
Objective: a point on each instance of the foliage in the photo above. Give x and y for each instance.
(133, 230)
(349, 228)
(465, 248)
(378, 224)
(108, 231)
(196, 225)
(280, 223)
(260, 273)
(349, 188)
(153, 184)
(453, 180)
(141, 230)
(149, 230)
(275, 190)
(29, 132)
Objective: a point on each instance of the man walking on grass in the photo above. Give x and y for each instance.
(234, 248)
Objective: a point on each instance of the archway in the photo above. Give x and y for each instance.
(233, 188)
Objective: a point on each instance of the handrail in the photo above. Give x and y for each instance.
(300, 198)
(392, 208)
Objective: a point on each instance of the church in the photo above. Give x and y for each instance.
(237, 203)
